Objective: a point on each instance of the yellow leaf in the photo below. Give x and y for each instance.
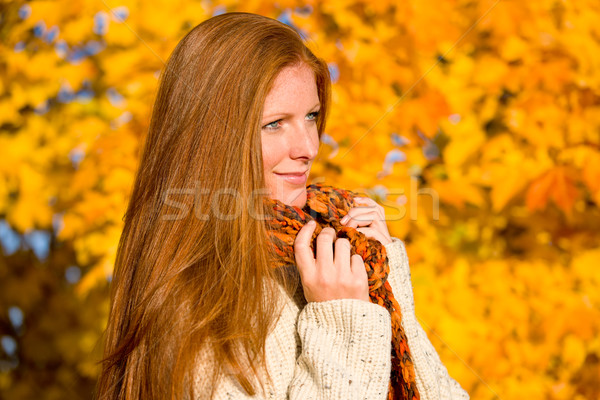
(466, 139)
(514, 48)
(591, 174)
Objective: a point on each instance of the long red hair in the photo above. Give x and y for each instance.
(192, 267)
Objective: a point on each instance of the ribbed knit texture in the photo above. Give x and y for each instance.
(291, 358)
(327, 205)
(340, 349)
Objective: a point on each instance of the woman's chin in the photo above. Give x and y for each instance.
(295, 198)
(300, 202)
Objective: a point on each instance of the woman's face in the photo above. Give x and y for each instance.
(289, 135)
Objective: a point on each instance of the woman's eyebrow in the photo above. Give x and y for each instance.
(276, 114)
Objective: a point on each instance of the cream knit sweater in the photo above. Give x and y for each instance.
(340, 349)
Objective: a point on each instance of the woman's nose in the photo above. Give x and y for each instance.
(305, 143)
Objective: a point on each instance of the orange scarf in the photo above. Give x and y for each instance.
(327, 205)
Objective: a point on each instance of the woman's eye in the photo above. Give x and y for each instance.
(315, 114)
(274, 125)
(271, 125)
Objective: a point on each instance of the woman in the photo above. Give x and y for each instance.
(197, 308)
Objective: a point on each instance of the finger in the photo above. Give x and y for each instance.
(363, 200)
(362, 218)
(302, 251)
(342, 255)
(373, 234)
(376, 208)
(358, 265)
(325, 246)
(366, 202)
(354, 212)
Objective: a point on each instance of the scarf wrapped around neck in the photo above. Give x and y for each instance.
(327, 205)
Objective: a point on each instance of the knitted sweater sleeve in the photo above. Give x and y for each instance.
(343, 352)
(346, 347)
(433, 380)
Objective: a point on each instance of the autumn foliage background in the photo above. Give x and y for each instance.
(476, 123)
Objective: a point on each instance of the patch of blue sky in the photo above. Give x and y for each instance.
(39, 242)
(9, 239)
(120, 13)
(101, 21)
(24, 11)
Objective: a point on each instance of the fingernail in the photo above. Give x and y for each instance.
(311, 222)
(344, 220)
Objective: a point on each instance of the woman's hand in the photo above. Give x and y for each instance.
(368, 218)
(333, 274)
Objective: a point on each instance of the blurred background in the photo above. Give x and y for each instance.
(475, 123)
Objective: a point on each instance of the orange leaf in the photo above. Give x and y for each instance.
(564, 192)
(554, 184)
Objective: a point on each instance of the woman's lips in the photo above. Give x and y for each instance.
(294, 178)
